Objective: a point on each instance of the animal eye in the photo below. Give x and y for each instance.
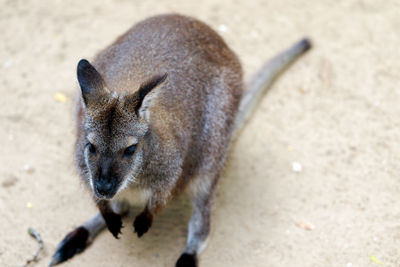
(130, 150)
(91, 147)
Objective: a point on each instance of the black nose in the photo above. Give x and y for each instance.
(103, 187)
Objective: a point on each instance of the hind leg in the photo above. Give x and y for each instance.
(79, 239)
(199, 225)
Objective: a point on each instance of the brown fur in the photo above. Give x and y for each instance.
(157, 111)
(184, 125)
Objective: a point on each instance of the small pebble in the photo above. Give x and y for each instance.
(9, 182)
(374, 259)
(349, 264)
(303, 90)
(59, 97)
(29, 169)
(296, 166)
(305, 226)
(29, 205)
(223, 28)
(8, 64)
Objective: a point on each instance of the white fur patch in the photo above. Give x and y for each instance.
(130, 179)
(146, 194)
(202, 246)
(132, 140)
(89, 172)
(144, 109)
(91, 137)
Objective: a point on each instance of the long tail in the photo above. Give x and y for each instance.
(263, 80)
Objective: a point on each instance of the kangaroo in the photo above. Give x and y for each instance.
(157, 111)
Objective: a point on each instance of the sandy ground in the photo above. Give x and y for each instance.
(336, 112)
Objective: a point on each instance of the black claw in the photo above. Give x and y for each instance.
(187, 260)
(114, 224)
(142, 223)
(74, 243)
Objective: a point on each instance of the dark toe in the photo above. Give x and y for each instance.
(142, 223)
(114, 224)
(74, 243)
(187, 260)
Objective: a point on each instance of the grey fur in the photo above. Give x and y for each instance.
(184, 125)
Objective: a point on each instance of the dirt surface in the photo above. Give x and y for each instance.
(335, 112)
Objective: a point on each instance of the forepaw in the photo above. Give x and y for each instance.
(74, 243)
(187, 260)
(114, 223)
(142, 223)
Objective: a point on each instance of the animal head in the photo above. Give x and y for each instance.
(114, 126)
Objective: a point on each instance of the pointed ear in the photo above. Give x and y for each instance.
(134, 102)
(92, 84)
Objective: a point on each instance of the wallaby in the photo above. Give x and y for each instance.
(157, 111)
